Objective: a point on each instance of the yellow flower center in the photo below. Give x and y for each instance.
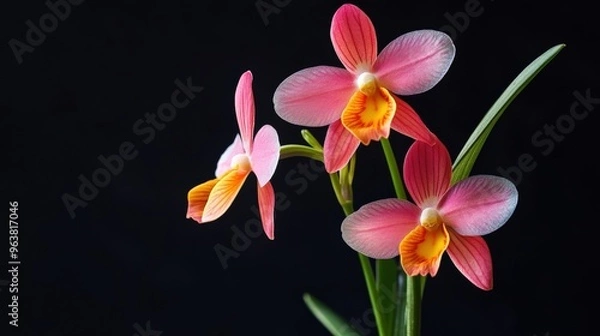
(422, 248)
(369, 113)
(241, 162)
(430, 219)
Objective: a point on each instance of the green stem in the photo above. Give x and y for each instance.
(413, 306)
(414, 285)
(288, 151)
(393, 167)
(390, 158)
(335, 183)
(400, 317)
(365, 263)
(310, 139)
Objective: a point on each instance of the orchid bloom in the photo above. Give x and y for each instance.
(209, 200)
(358, 102)
(443, 218)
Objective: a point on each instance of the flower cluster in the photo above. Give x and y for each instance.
(361, 103)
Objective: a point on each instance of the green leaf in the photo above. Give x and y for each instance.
(386, 280)
(336, 325)
(467, 156)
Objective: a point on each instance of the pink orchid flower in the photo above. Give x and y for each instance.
(358, 102)
(210, 200)
(443, 218)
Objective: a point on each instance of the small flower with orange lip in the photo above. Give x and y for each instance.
(248, 153)
(443, 218)
(358, 102)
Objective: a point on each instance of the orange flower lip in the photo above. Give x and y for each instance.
(421, 250)
(369, 113)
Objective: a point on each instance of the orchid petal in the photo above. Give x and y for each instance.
(479, 204)
(266, 205)
(472, 258)
(422, 249)
(414, 62)
(353, 37)
(368, 117)
(197, 198)
(407, 122)
(427, 172)
(377, 228)
(338, 148)
(224, 192)
(244, 109)
(265, 154)
(314, 96)
(224, 163)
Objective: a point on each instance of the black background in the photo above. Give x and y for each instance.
(130, 256)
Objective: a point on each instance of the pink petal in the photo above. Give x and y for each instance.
(407, 122)
(472, 258)
(427, 172)
(479, 204)
(353, 37)
(266, 206)
(414, 62)
(265, 154)
(224, 163)
(314, 96)
(244, 109)
(377, 228)
(339, 147)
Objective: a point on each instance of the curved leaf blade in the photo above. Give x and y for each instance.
(335, 324)
(466, 158)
